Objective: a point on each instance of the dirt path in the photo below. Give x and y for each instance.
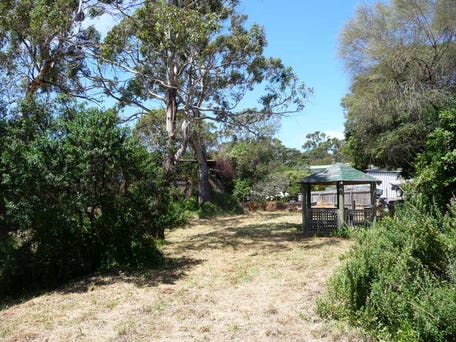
(245, 278)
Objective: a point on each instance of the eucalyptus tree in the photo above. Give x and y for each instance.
(402, 55)
(41, 47)
(320, 149)
(196, 60)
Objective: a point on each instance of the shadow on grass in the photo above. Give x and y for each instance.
(236, 219)
(327, 241)
(262, 236)
(169, 272)
(229, 232)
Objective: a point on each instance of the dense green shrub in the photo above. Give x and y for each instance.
(78, 194)
(399, 280)
(436, 166)
(222, 204)
(242, 190)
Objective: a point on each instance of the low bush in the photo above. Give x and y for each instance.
(242, 190)
(346, 232)
(399, 281)
(222, 204)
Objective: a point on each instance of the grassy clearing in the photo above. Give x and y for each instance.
(244, 278)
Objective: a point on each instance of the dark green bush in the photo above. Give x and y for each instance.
(222, 204)
(78, 194)
(399, 280)
(436, 165)
(242, 190)
(207, 210)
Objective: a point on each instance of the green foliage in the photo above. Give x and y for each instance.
(294, 176)
(346, 232)
(208, 210)
(151, 130)
(222, 204)
(78, 195)
(436, 166)
(319, 149)
(264, 166)
(398, 281)
(251, 158)
(41, 48)
(242, 190)
(400, 53)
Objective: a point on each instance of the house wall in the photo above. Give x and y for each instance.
(386, 177)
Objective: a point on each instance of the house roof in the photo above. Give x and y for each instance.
(318, 168)
(339, 172)
(383, 170)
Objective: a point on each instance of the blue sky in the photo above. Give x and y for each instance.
(304, 34)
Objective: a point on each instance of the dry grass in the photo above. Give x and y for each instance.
(244, 278)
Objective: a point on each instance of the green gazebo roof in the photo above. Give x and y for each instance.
(339, 172)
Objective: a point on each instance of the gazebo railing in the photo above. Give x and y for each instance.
(324, 220)
(321, 220)
(358, 217)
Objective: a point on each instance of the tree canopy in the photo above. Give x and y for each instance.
(196, 61)
(320, 149)
(402, 58)
(41, 48)
(436, 166)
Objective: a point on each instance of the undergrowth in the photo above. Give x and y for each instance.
(399, 280)
(221, 204)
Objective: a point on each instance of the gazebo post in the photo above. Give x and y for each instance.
(305, 206)
(340, 205)
(373, 187)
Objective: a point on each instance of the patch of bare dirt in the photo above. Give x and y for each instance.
(243, 278)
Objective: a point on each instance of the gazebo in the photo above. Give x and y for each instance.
(324, 220)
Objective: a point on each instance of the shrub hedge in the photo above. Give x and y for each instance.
(399, 280)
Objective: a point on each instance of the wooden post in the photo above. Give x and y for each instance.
(340, 205)
(373, 187)
(306, 206)
(309, 196)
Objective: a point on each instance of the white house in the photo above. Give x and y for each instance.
(391, 182)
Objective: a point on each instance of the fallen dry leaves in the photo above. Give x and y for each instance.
(243, 278)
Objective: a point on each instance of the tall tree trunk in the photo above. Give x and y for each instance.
(204, 187)
(171, 110)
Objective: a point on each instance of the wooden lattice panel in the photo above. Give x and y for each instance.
(322, 220)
